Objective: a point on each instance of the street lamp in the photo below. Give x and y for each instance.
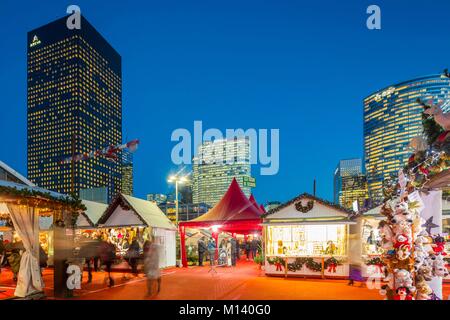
(177, 180)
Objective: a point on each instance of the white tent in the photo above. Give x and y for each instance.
(89, 218)
(127, 211)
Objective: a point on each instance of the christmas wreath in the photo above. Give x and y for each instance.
(331, 263)
(277, 261)
(300, 207)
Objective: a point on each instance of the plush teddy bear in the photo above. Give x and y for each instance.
(423, 291)
(439, 268)
(426, 272)
(385, 290)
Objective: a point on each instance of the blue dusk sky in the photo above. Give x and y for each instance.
(303, 67)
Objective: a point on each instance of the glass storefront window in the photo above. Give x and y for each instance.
(307, 240)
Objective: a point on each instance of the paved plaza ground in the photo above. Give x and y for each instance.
(242, 282)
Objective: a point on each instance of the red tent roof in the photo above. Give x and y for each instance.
(263, 210)
(234, 206)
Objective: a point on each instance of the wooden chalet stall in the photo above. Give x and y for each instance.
(308, 237)
(128, 217)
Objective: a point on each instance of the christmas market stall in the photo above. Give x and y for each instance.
(23, 207)
(128, 218)
(232, 216)
(307, 236)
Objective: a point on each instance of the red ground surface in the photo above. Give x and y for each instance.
(242, 282)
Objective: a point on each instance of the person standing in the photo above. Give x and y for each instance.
(254, 247)
(151, 266)
(201, 245)
(107, 256)
(229, 255)
(211, 250)
(248, 249)
(234, 248)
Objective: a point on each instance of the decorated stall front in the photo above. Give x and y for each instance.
(23, 206)
(129, 218)
(307, 236)
(371, 243)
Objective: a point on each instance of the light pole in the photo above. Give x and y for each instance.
(177, 180)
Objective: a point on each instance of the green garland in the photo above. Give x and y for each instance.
(72, 202)
(275, 260)
(375, 261)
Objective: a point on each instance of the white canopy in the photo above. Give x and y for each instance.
(130, 211)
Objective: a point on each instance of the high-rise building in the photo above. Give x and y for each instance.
(157, 197)
(391, 118)
(127, 172)
(350, 183)
(215, 166)
(74, 107)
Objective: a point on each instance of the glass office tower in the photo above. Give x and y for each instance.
(391, 118)
(350, 183)
(212, 177)
(74, 106)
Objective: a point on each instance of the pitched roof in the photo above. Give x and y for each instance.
(130, 211)
(89, 217)
(234, 205)
(332, 211)
(263, 210)
(16, 175)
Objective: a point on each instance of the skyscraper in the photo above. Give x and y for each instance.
(350, 184)
(212, 173)
(127, 172)
(391, 118)
(74, 106)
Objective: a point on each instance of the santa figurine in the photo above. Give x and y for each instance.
(439, 246)
(403, 293)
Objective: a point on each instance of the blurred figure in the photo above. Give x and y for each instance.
(151, 266)
(355, 253)
(254, 247)
(234, 251)
(229, 255)
(15, 250)
(90, 251)
(107, 257)
(43, 258)
(211, 250)
(132, 256)
(247, 249)
(201, 245)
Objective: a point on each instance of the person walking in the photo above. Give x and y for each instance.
(211, 250)
(151, 266)
(202, 248)
(132, 256)
(107, 256)
(229, 255)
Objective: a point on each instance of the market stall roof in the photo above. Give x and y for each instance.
(130, 211)
(234, 211)
(17, 176)
(89, 217)
(307, 208)
(263, 210)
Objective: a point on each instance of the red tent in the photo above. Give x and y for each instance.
(259, 207)
(233, 213)
(263, 210)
